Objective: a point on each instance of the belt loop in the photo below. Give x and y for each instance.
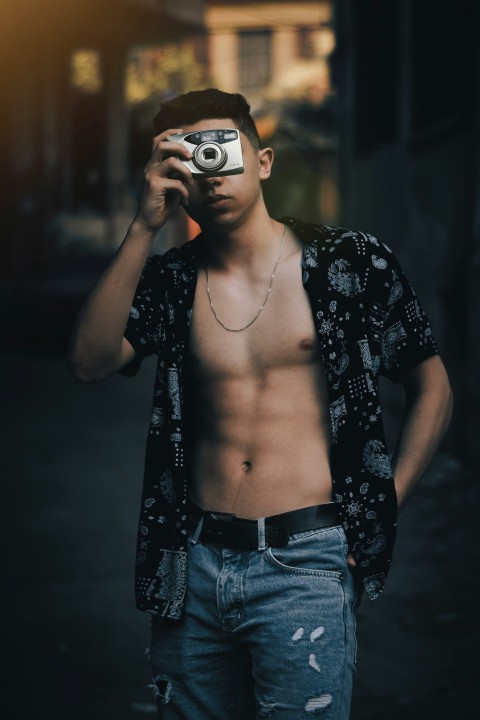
(196, 535)
(261, 533)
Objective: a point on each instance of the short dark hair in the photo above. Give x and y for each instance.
(205, 104)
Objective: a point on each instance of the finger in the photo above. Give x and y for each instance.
(351, 562)
(164, 134)
(170, 184)
(161, 146)
(165, 149)
(165, 152)
(170, 167)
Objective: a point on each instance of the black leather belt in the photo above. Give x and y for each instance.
(241, 533)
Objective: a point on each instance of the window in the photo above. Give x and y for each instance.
(85, 71)
(306, 42)
(254, 60)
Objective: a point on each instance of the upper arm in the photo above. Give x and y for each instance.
(428, 375)
(407, 336)
(144, 330)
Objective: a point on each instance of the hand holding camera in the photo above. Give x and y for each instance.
(177, 159)
(166, 182)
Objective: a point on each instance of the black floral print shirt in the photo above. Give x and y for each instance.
(368, 321)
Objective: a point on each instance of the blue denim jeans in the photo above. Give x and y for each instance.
(267, 633)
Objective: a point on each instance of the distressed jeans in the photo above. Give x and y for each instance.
(266, 633)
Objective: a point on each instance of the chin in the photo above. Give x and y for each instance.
(219, 220)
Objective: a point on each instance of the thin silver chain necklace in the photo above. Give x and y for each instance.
(272, 277)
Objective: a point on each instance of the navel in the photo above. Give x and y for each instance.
(246, 466)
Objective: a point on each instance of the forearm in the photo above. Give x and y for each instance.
(96, 348)
(426, 418)
(97, 336)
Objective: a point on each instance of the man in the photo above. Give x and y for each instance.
(269, 500)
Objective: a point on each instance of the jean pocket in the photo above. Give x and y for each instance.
(319, 552)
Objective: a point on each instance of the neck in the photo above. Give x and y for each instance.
(247, 244)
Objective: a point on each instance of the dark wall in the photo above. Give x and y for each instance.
(409, 118)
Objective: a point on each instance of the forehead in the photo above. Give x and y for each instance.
(210, 124)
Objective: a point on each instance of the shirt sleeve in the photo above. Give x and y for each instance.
(144, 330)
(407, 336)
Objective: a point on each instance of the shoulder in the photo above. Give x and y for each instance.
(174, 259)
(335, 242)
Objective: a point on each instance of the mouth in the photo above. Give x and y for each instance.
(215, 200)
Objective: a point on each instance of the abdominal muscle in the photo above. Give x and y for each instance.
(261, 440)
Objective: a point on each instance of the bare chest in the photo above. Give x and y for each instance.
(283, 335)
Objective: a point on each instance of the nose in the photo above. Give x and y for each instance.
(209, 182)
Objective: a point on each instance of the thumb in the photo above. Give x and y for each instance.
(351, 562)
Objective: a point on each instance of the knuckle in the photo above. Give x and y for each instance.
(148, 174)
(151, 183)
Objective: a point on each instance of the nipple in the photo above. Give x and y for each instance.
(306, 344)
(247, 466)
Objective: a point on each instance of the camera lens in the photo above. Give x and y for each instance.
(209, 157)
(210, 154)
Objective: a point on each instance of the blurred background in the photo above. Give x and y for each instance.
(372, 107)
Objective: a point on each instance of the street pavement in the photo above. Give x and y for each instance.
(74, 644)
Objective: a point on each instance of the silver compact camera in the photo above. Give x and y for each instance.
(215, 152)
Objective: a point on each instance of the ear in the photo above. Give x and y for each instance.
(265, 162)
